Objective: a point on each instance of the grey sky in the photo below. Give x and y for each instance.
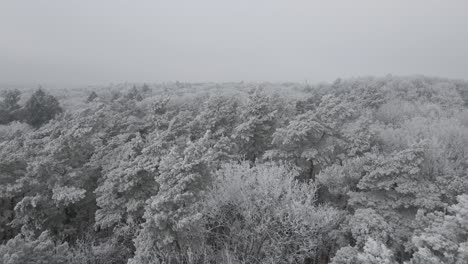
(102, 41)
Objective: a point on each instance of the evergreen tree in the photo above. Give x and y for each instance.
(9, 106)
(254, 135)
(92, 96)
(10, 100)
(40, 108)
(171, 214)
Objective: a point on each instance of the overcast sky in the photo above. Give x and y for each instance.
(103, 41)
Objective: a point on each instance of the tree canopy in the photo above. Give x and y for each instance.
(363, 170)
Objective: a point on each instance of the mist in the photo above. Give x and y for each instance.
(99, 42)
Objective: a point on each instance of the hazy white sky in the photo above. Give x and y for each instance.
(103, 41)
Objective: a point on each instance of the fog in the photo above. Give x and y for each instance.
(98, 42)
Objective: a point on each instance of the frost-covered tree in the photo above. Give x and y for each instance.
(12, 170)
(260, 117)
(126, 182)
(444, 240)
(28, 250)
(339, 179)
(365, 224)
(375, 252)
(312, 140)
(262, 214)
(300, 141)
(171, 214)
(219, 115)
(346, 255)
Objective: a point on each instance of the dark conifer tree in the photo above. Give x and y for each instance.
(40, 108)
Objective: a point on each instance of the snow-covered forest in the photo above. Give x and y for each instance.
(364, 170)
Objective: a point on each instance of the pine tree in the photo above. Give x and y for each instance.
(254, 135)
(40, 108)
(91, 97)
(9, 106)
(174, 210)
